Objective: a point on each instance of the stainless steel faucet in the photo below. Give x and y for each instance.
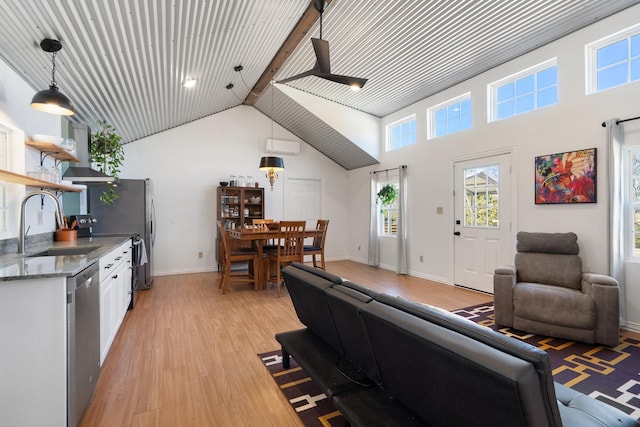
(21, 235)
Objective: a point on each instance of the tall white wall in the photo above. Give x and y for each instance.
(186, 163)
(17, 115)
(574, 123)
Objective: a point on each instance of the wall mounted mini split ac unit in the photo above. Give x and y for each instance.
(281, 146)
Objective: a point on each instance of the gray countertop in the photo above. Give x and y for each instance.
(24, 267)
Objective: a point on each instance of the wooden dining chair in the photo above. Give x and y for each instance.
(317, 247)
(290, 241)
(262, 223)
(241, 255)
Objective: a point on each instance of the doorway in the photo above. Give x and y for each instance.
(482, 219)
(303, 200)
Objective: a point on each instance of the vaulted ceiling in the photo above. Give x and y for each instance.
(125, 60)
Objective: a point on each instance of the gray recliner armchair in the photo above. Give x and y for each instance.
(547, 293)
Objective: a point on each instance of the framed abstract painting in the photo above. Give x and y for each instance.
(568, 177)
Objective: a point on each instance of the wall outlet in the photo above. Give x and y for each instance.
(439, 210)
(421, 258)
(358, 247)
(199, 254)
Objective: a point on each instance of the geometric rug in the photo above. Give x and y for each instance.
(311, 404)
(609, 374)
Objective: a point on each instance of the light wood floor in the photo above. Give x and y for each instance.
(187, 355)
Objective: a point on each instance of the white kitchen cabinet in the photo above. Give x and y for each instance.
(115, 294)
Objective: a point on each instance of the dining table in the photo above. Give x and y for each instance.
(258, 237)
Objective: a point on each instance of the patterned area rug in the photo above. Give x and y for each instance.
(611, 375)
(306, 397)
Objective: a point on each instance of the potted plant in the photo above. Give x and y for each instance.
(387, 195)
(107, 154)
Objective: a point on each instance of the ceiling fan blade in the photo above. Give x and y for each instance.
(321, 48)
(312, 72)
(355, 82)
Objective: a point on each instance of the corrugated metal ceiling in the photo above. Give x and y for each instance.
(125, 60)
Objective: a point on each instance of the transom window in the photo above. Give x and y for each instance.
(401, 133)
(528, 90)
(481, 201)
(450, 116)
(614, 60)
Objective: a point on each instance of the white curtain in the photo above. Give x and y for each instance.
(402, 266)
(374, 255)
(616, 204)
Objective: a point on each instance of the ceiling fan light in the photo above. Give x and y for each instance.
(52, 101)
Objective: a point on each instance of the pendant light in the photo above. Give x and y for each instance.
(271, 164)
(52, 100)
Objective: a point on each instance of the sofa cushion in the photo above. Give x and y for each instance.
(306, 287)
(551, 243)
(554, 305)
(345, 302)
(552, 269)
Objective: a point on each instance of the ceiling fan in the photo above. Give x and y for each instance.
(322, 68)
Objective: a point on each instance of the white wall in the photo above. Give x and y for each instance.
(186, 163)
(17, 114)
(574, 123)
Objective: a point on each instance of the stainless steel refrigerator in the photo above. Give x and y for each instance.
(133, 212)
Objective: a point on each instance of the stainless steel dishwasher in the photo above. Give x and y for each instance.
(83, 341)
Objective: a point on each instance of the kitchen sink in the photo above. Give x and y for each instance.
(76, 250)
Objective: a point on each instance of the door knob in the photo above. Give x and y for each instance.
(456, 233)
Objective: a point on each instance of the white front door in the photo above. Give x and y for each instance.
(482, 215)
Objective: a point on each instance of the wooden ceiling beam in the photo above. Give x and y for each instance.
(299, 32)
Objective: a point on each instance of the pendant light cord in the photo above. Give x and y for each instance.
(272, 119)
(53, 69)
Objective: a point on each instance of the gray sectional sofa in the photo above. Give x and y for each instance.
(387, 361)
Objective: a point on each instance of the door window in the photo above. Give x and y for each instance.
(481, 201)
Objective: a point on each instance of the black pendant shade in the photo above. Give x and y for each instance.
(271, 162)
(52, 100)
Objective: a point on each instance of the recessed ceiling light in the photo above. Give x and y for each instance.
(189, 82)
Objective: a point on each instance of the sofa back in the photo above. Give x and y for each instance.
(549, 258)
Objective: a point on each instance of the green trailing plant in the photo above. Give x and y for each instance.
(387, 195)
(107, 154)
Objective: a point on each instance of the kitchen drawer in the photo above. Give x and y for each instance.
(113, 259)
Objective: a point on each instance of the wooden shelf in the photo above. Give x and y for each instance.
(53, 150)
(16, 178)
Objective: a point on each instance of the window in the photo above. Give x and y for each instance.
(450, 116)
(529, 90)
(401, 133)
(388, 213)
(634, 202)
(614, 60)
(481, 201)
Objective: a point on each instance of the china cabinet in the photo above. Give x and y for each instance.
(237, 207)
